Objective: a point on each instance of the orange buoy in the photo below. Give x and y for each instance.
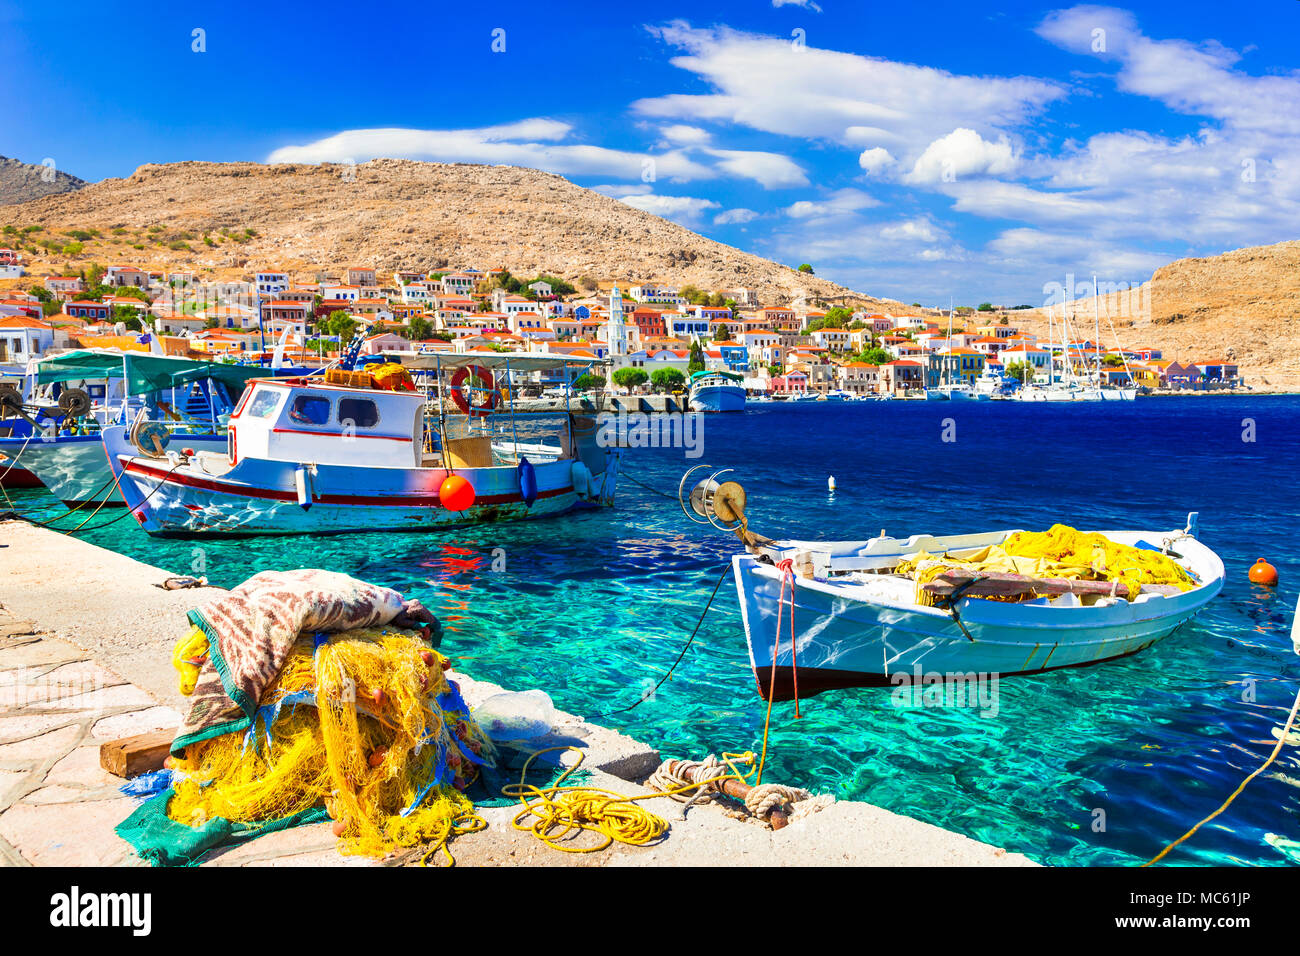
(1261, 572)
(456, 494)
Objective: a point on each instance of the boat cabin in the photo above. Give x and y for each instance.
(302, 419)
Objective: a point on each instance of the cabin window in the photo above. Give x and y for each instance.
(358, 412)
(310, 410)
(263, 403)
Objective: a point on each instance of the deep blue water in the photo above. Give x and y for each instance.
(594, 607)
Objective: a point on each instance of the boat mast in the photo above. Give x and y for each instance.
(1096, 335)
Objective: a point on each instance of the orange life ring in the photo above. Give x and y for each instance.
(488, 385)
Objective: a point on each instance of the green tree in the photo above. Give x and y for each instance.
(588, 380)
(341, 324)
(986, 307)
(696, 363)
(1020, 371)
(806, 268)
(721, 333)
(874, 356)
(630, 377)
(717, 300)
(838, 318)
(667, 379)
(420, 328)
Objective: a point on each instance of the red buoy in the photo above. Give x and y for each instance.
(456, 494)
(1261, 572)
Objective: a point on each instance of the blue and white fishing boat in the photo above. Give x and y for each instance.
(717, 392)
(323, 455)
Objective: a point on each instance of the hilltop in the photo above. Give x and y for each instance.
(22, 182)
(394, 214)
(1243, 306)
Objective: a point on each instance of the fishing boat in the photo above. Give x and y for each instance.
(717, 392)
(161, 399)
(886, 610)
(340, 453)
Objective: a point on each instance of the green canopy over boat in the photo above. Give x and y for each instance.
(143, 371)
(731, 375)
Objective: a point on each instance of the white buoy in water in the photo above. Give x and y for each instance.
(830, 484)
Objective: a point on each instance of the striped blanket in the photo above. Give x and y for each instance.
(252, 629)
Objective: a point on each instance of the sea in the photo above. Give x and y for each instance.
(1092, 766)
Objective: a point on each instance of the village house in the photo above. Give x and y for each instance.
(360, 276)
(859, 378)
(126, 276)
(901, 375)
(64, 286)
(90, 311)
(23, 338)
(270, 283)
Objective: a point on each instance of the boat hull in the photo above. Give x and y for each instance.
(843, 643)
(718, 398)
(261, 497)
(75, 468)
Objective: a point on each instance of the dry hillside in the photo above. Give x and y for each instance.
(392, 214)
(21, 182)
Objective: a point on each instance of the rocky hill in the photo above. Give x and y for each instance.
(1243, 305)
(22, 182)
(223, 218)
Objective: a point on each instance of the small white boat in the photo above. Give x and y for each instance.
(857, 624)
(717, 392)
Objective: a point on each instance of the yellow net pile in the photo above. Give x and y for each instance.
(364, 722)
(1059, 552)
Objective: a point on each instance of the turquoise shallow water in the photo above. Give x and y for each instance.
(594, 607)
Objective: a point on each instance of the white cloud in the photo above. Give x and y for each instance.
(838, 203)
(962, 153)
(764, 83)
(806, 4)
(734, 217)
(686, 210)
(530, 142)
(1193, 78)
(770, 170)
(875, 160)
(682, 135)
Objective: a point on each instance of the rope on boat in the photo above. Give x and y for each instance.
(27, 515)
(130, 510)
(1277, 749)
(687, 646)
(786, 568)
(656, 491)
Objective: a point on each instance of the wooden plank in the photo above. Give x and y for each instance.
(1004, 585)
(132, 756)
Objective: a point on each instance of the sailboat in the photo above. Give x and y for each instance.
(947, 391)
(1071, 387)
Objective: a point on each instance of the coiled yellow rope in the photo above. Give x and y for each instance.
(559, 810)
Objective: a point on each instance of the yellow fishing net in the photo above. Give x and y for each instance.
(1059, 552)
(365, 722)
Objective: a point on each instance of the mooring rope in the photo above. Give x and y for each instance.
(1277, 749)
(722, 575)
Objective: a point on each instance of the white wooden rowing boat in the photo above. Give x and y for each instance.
(857, 624)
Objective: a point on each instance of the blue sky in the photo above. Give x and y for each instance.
(918, 151)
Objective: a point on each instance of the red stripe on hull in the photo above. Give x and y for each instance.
(275, 494)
